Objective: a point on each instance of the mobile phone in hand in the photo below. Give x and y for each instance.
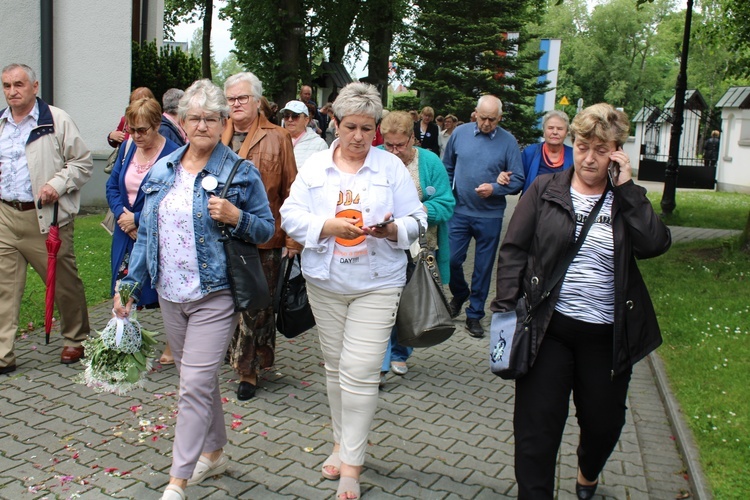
(614, 172)
(384, 223)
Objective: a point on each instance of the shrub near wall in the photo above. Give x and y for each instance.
(162, 69)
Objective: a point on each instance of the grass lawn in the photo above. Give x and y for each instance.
(701, 292)
(92, 244)
(706, 209)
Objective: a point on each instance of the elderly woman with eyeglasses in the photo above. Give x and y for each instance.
(355, 209)
(178, 250)
(431, 180)
(125, 196)
(269, 147)
(450, 122)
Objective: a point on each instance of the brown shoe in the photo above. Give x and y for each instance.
(71, 355)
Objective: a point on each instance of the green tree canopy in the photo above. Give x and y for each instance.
(162, 69)
(457, 52)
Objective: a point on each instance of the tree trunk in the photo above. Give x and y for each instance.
(745, 238)
(291, 18)
(380, 40)
(206, 57)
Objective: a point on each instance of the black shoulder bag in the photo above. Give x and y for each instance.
(244, 270)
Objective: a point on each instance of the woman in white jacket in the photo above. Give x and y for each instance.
(356, 210)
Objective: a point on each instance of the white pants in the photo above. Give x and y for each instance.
(354, 331)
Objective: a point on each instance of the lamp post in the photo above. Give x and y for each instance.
(673, 162)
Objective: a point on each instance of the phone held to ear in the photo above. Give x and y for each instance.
(384, 223)
(614, 172)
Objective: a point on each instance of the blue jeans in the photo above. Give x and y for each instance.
(486, 233)
(395, 352)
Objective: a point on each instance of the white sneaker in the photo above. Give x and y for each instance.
(173, 492)
(205, 468)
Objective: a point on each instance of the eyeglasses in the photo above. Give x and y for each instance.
(242, 99)
(139, 130)
(291, 116)
(389, 146)
(210, 121)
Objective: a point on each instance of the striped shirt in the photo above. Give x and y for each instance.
(588, 289)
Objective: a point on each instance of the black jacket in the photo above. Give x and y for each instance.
(539, 234)
(430, 139)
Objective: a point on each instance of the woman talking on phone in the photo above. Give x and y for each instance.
(598, 321)
(355, 210)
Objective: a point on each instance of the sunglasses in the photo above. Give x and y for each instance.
(291, 116)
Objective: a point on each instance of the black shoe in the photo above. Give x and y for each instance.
(475, 329)
(7, 369)
(585, 492)
(245, 391)
(455, 306)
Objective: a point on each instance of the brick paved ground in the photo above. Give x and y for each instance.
(443, 431)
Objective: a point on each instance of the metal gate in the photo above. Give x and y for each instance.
(693, 171)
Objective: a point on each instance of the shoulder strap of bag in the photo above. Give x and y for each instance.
(562, 267)
(223, 194)
(230, 177)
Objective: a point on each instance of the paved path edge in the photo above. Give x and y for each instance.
(683, 435)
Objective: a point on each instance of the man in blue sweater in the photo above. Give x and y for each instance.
(484, 164)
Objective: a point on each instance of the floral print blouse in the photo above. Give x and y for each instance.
(179, 277)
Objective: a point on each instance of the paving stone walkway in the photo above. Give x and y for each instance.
(443, 431)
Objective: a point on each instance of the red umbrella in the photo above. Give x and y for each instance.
(53, 246)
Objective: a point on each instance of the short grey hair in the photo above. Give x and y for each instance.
(555, 113)
(206, 95)
(488, 97)
(358, 98)
(171, 99)
(255, 85)
(29, 72)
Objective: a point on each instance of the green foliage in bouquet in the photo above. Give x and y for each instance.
(118, 365)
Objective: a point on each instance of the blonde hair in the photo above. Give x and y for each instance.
(146, 108)
(397, 122)
(427, 110)
(603, 122)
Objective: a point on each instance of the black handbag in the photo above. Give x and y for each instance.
(294, 314)
(423, 318)
(244, 270)
(510, 332)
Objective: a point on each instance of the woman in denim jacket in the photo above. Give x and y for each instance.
(178, 248)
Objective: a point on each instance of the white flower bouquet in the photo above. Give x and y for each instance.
(118, 358)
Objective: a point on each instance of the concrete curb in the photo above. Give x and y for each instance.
(683, 435)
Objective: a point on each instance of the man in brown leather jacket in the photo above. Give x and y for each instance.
(269, 147)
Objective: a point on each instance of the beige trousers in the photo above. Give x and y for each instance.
(354, 332)
(21, 244)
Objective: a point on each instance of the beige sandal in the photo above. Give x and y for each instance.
(166, 359)
(335, 462)
(347, 484)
